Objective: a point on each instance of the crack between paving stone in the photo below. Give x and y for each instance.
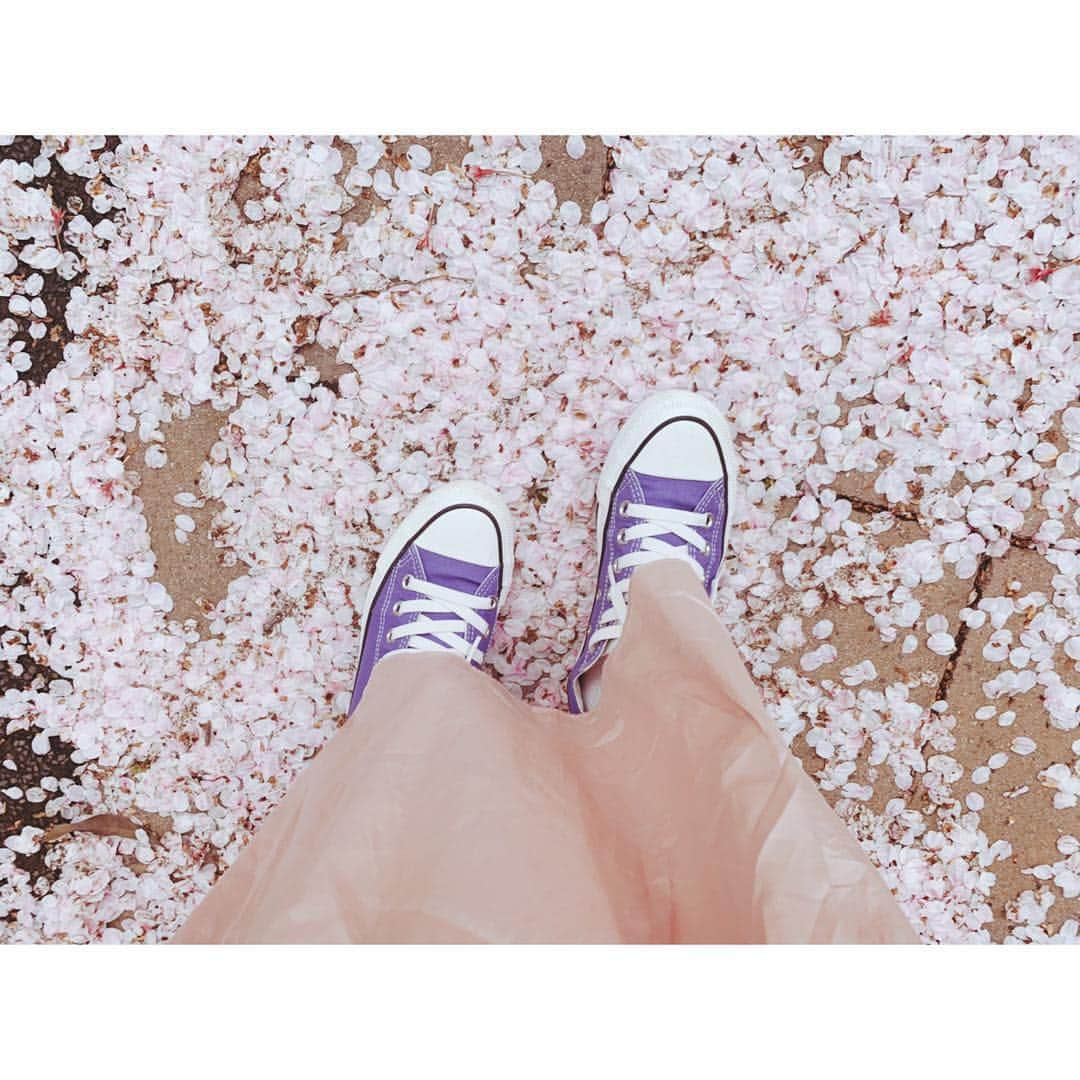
(982, 574)
(904, 513)
(867, 507)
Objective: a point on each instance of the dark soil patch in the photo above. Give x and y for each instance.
(70, 198)
(30, 769)
(20, 766)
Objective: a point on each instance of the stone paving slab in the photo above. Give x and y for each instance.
(326, 363)
(193, 572)
(1018, 807)
(581, 180)
(856, 638)
(853, 597)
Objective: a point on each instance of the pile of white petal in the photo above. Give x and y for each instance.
(499, 335)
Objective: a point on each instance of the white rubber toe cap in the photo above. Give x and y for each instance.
(463, 533)
(682, 450)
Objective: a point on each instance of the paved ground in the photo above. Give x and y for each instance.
(903, 579)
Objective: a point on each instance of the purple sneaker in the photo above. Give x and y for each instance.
(664, 493)
(440, 581)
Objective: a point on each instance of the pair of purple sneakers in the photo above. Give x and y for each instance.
(664, 493)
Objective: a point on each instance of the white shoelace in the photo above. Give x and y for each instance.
(655, 521)
(436, 635)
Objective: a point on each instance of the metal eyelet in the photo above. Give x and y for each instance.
(406, 581)
(390, 638)
(621, 536)
(624, 508)
(492, 601)
(708, 521)
(397, 608)
(708, 549)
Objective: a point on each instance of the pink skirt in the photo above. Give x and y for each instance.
(446, 810)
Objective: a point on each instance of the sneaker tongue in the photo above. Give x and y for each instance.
(666, 491)
(454, 573)
(672, 493)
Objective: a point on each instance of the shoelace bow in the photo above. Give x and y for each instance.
(654, 521)
(435, 635)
